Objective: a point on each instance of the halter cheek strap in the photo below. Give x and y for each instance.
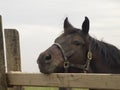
(67, 64)
(89, 58)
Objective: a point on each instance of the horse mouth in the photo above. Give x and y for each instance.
(47, 69)
(45, 72)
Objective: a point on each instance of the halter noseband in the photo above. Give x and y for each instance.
(67, 64)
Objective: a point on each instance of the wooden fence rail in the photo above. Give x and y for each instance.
(15, 80)
(101, 81)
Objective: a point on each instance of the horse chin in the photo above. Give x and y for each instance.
(48, 70)
(45, 72)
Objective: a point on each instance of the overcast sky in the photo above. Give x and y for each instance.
(41, 21)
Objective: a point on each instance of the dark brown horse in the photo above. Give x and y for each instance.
(75, 51)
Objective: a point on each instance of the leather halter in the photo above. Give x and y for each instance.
(67, 64)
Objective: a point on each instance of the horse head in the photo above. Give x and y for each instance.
(69, 50)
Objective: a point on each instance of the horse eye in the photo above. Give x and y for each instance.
(77, 43)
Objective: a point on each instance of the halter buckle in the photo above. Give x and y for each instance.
(89, 55)
(66, 64)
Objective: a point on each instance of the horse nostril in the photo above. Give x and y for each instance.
(48, 57)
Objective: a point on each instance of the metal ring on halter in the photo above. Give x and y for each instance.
(66, 64)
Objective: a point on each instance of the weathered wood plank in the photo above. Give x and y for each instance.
(101, 81)
(13, 52)
(3, 84)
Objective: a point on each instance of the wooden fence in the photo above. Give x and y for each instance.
(14, 79)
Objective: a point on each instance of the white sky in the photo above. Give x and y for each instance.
(40, 22)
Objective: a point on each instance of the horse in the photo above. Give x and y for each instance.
(76, 51)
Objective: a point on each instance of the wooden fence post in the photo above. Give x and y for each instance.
(13, 52)
(3, 84)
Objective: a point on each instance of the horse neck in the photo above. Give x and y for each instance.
(98, 65)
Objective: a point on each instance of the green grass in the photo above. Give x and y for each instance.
(47, 88)
(40, 88)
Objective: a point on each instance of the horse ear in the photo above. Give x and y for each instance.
(67, 26)
(85, 25)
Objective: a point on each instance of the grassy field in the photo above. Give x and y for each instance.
(46, 88)
(39, 88)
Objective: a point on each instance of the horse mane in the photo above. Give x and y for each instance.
(109, 53)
